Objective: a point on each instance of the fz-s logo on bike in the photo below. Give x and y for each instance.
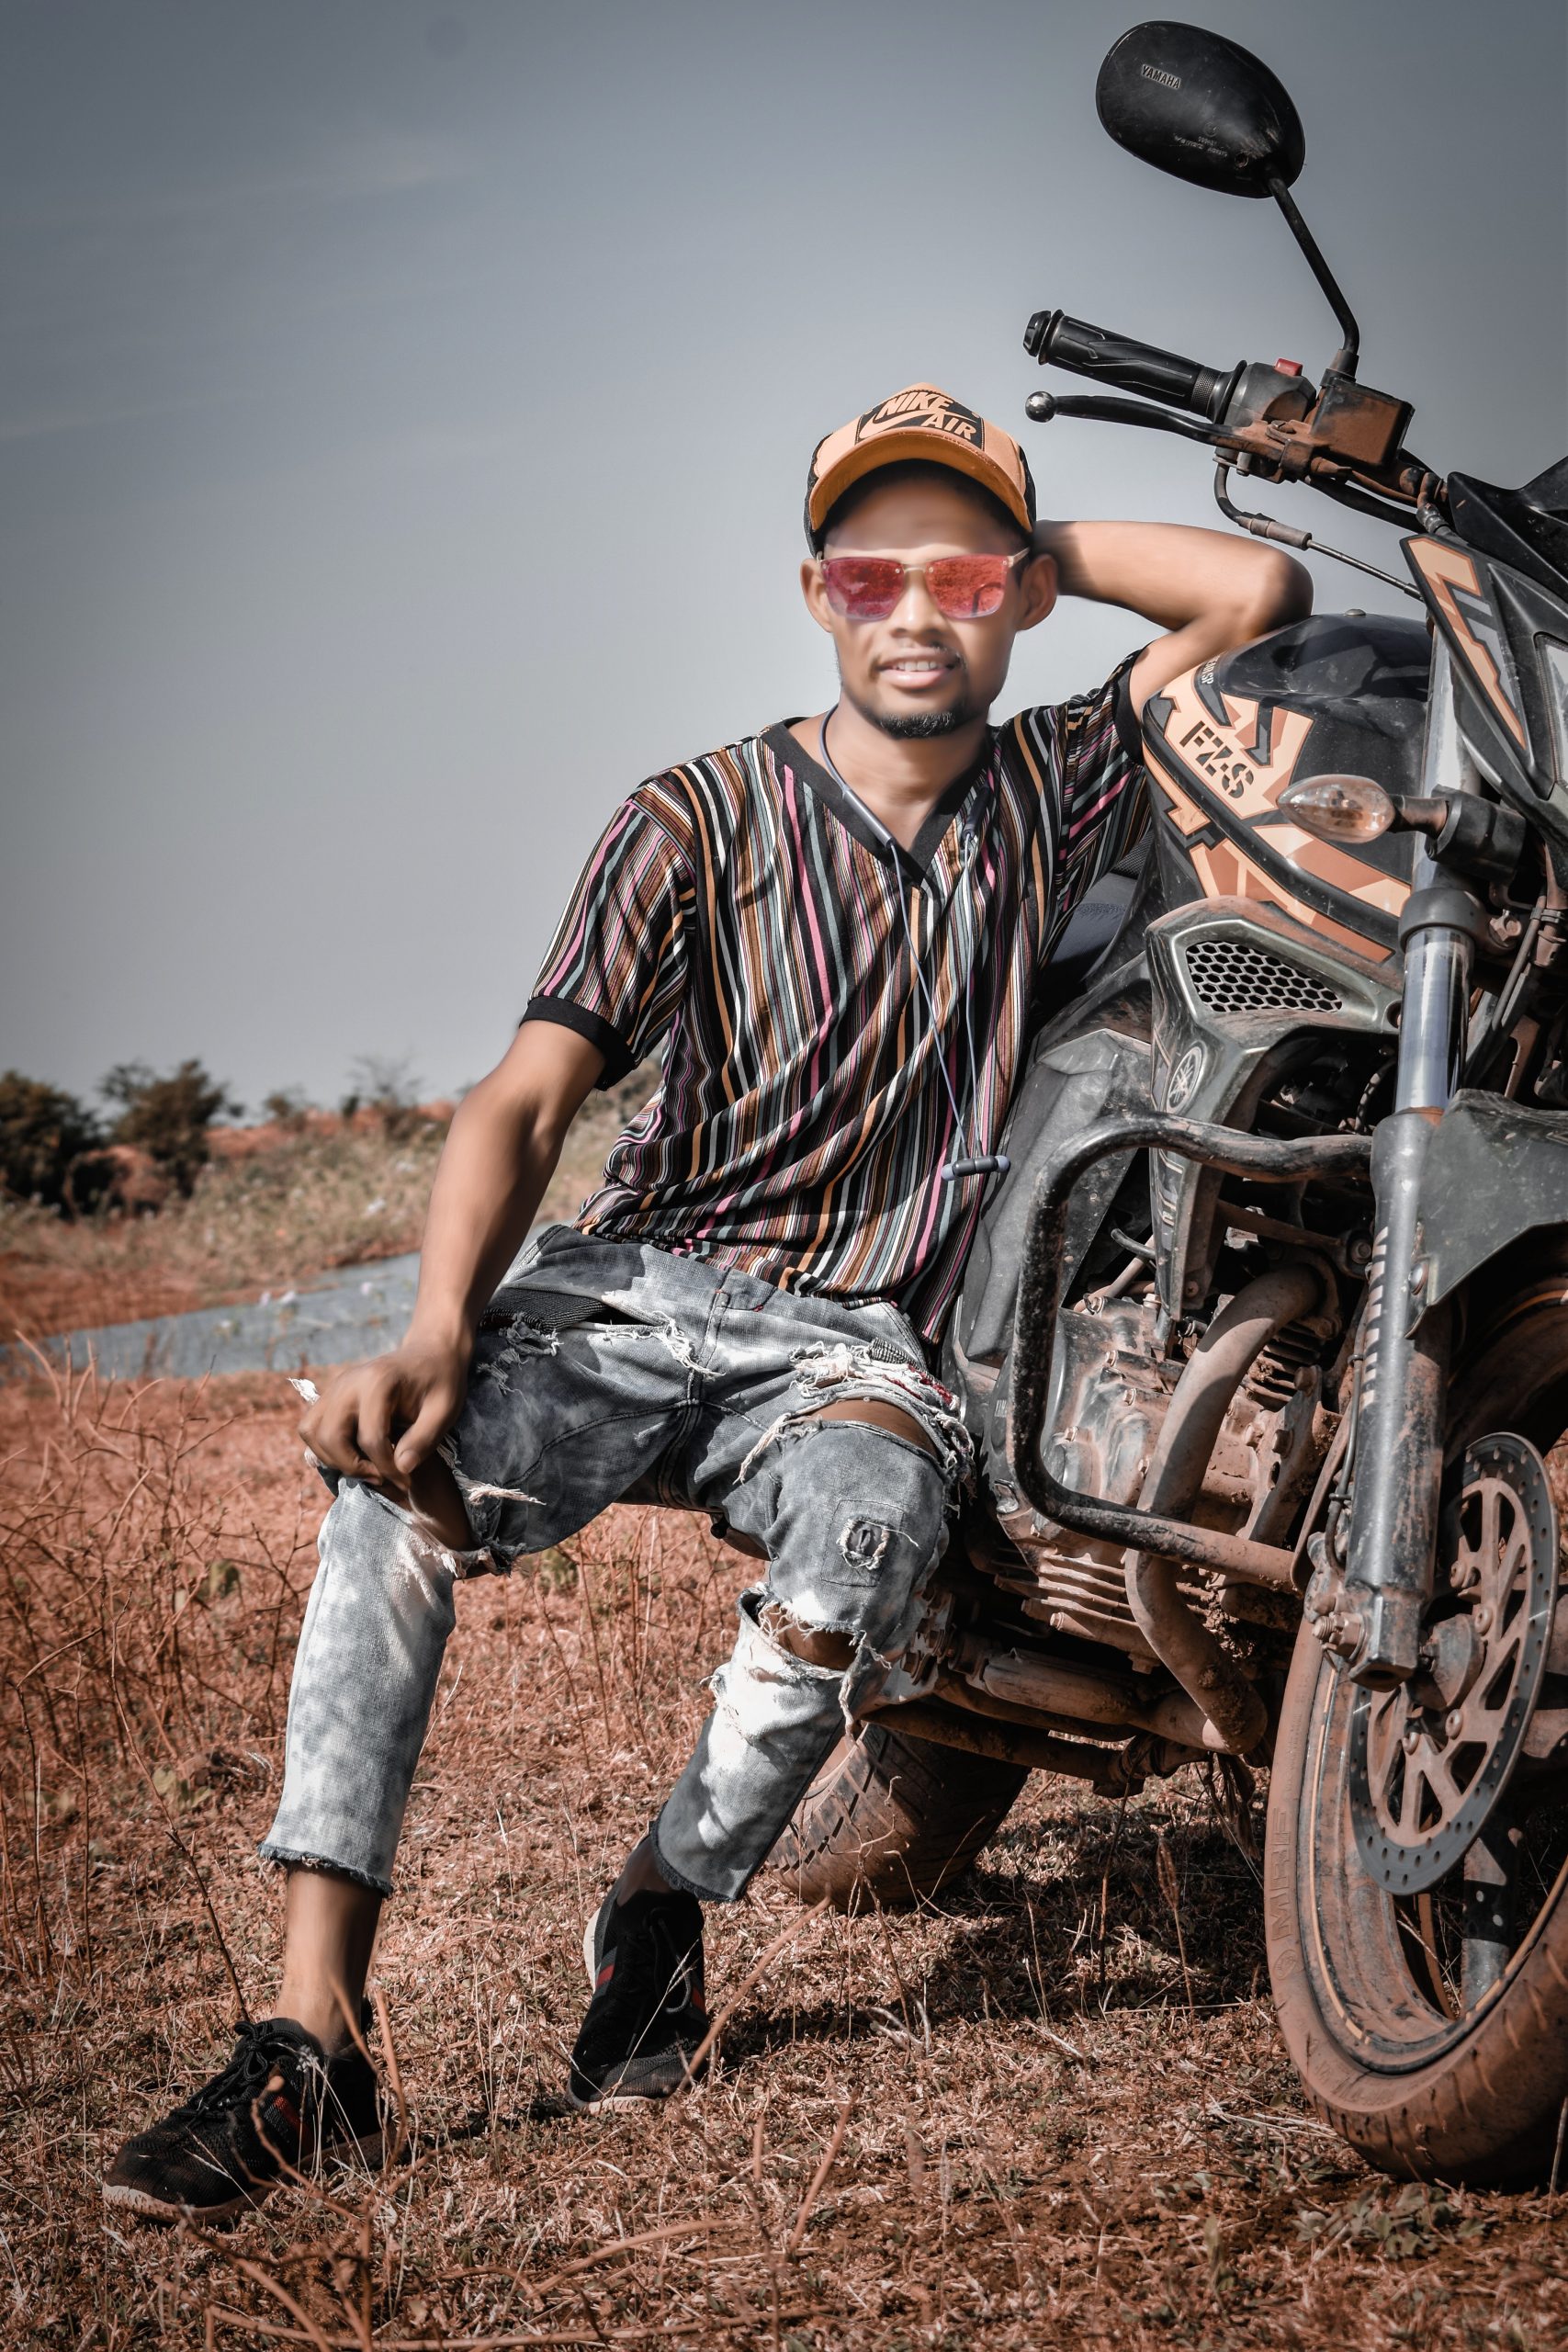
(1213, 756)
(1219, 762)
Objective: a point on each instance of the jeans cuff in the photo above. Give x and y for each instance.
(288, 1859)
(679, 1879)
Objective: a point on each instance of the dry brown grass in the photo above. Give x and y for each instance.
(1034, 2116)
(265, 1219)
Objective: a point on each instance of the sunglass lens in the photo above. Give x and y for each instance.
(863, 587)
(967, 587)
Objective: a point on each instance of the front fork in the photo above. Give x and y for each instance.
(1374, 1624)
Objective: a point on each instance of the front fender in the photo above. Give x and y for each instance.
(1493, 1172)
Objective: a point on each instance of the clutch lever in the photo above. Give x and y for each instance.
(1042, 406)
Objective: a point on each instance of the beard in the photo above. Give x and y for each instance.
(913, 726)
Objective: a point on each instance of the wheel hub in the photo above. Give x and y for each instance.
(1451, 1664)
(1429, 1760)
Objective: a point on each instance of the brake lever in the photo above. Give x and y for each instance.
(1042, 406)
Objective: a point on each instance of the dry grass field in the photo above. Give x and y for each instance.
(1051, 2111)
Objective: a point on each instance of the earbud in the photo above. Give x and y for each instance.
(993, 1163)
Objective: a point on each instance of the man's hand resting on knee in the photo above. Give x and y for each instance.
(380, 1421)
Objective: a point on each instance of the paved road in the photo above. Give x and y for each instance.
(353, 1311)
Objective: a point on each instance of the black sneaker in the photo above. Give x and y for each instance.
(647, 2014)
(279, 2101)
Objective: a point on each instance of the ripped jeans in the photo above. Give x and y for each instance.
(606, 1369)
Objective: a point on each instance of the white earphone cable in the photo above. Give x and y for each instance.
(965, 1162)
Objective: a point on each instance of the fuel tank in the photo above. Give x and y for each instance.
(1339, 693)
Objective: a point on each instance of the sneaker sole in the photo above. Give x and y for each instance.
(157, 2208)
(624, 2102)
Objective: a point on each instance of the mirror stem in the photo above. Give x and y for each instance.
(1345, 359)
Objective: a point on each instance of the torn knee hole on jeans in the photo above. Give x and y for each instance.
(838, 1376)
(825, 1646)
(878, 1413)
(523, 1340)
(786, 1648)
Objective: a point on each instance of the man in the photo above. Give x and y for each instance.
(832, 931)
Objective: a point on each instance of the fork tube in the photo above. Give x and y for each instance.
(1398, 1466)
(1433, 1014)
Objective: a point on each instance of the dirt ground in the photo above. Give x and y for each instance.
(1051, 2109)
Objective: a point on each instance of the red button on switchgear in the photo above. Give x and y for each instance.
(1289, 366)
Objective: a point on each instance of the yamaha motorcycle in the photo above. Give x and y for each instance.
(1264, 1341)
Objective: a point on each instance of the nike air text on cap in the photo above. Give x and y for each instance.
(920, 422)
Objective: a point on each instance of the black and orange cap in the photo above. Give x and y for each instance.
(920, 422)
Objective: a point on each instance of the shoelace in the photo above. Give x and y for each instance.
(626, 1991)
(256, 2056)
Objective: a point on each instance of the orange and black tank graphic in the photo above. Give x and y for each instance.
(1340, 694)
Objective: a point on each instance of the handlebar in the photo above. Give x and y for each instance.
(1058, 341)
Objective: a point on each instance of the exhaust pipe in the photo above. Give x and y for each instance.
(1215, 1370)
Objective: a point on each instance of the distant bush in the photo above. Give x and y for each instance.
(287, 1107)
(49, 1144)
(168, 1118)
(386, 1085)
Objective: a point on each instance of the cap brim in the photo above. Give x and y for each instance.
(931, 449)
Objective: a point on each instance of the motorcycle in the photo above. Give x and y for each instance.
(1263, 1343)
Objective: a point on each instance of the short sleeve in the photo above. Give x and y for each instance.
(1105, 807)
(616, 968)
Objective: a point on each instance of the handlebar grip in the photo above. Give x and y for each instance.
(1058, 341)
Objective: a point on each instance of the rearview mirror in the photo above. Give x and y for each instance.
(1202, 107)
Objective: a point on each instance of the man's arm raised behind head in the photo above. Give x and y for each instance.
(1207, 590)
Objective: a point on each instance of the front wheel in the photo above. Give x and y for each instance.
(1430, 2025)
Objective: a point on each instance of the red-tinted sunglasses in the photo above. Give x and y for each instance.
(962, 587)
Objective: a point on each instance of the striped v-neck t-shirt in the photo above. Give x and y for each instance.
(740, 915)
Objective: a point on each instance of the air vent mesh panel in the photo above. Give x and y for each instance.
(1236, 976)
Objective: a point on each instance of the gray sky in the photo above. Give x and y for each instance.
(404, 410)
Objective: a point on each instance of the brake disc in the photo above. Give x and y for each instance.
(1429, 1760)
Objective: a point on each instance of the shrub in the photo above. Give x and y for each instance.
(287, 1107)
(386, 1085)
(47, 1143)
(168, 1118)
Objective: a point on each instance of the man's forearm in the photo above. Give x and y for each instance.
(1208, 591)
(498, 1161)
(381, 1421)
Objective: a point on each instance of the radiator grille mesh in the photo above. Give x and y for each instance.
(1237, 976)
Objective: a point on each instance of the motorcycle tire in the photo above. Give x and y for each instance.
(1370, 1993)
(892, 1820)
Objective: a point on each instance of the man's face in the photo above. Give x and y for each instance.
(916, 672)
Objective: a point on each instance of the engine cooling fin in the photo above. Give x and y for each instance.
(1086, 1597)
(1277, 1369)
